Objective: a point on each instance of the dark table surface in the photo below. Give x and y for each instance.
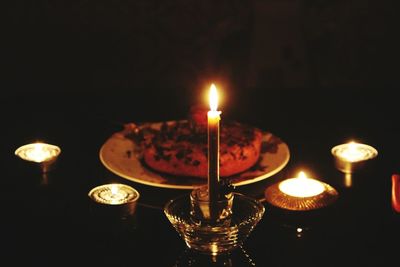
(49, 221)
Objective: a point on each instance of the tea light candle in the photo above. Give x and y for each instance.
(112, 200)
(300, 193)
(41, 153)
(349, 156)
(38, 152)
(354, 152)
(113, 194)
(301, 186)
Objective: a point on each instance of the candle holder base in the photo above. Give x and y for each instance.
(48, 166)
(219, 237)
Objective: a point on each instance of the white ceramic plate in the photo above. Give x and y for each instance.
(119, 155)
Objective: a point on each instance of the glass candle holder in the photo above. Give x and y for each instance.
(39, 153)
(214, 238)
(351, 156)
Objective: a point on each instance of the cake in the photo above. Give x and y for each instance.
(180, 147)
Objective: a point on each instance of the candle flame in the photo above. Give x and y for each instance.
(354, 152)
(213, 98)
(302, 175)
(38, 153)
(114, 189)
(352, 146)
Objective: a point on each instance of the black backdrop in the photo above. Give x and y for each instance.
(180, 46)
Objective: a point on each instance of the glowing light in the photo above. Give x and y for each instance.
(113, 194)
(354, 152)
(213, 98)
(38, 152)
(301, 186)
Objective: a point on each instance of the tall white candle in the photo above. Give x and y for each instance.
(213, 149)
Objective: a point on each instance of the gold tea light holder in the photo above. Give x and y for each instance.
(42, 154)
(114, 199)
(301, 194)
(300, 203)
(352, 156)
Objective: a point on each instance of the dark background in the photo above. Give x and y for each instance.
(124, 46)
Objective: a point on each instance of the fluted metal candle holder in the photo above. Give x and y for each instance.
(279, 199)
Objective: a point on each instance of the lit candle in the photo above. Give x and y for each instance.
(349, 156)
(354, 152)
(301, 193)
(38, 152)
(301, 186)
(114, 199)
(113, 194)
(213, 149)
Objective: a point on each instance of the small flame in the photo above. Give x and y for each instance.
(114, 189)
(213, 98)
(352, 147)
(354, 152)
(302, 175)
(38, 153)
